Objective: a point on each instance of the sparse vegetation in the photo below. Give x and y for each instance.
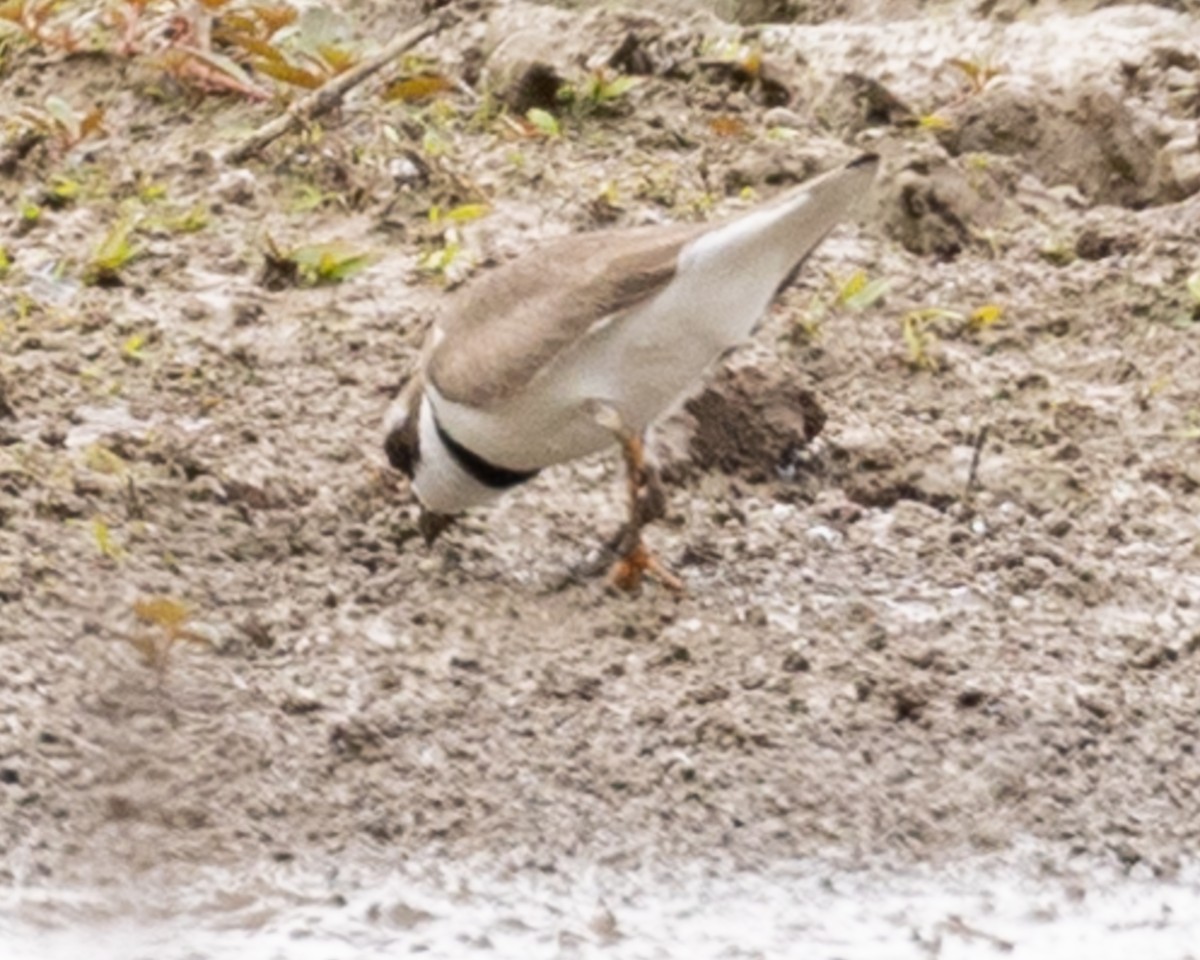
(985, 317)
(919, 339)
(164, 623)
(598, 92)
(979, 73)
(329, 262)
(115, 252)
(313, 264)
(543, 122)
(853, 294)
(921, 329)
(105, 543)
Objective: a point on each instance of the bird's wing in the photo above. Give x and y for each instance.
(511, 323)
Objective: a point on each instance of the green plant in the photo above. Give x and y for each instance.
(112, 255)
(920, 339)
(979, 73)
(334, 262)
(165, 622)
(60, 191)
(543, 123)
(600, 89)
(103, 538)
(313, 264)
(856, 293)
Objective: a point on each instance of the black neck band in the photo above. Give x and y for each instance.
(486, 472)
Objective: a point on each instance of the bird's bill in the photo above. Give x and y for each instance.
(433, 525)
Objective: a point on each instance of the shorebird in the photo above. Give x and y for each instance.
(585, 342)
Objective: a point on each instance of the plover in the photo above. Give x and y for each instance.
(585, 342)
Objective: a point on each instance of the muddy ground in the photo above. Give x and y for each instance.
(943, 589)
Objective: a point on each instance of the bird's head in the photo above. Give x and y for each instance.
(402, 429)
(402, 443)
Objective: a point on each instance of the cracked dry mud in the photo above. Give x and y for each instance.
(897, 644)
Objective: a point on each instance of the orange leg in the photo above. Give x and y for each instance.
(647, 503)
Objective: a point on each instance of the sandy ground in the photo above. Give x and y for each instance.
(943, 590)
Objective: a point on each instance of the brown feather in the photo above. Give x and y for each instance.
(514, 321)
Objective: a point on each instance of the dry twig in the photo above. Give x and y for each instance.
(973, 474)
(323, 100)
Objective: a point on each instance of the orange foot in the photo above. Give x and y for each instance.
(627, 573)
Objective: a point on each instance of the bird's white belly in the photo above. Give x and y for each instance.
(642, 363)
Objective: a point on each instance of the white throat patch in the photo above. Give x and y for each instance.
(441, 483)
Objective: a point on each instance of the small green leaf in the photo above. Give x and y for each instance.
(149, 192)
(932, 121)
(132, 347)
(874, 291)
(617, 88)
(1193, 285)
(60, 191)
(858, 280)
(103, 538)
(917, 337)
(858, 293)
(916, 340)
(329, 262)
(190, 221)
(440, 260)
(112, 255)
(467, 212)
(986, 316)
(543, 122)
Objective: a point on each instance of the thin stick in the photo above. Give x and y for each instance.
(980, 440)
(331, 94)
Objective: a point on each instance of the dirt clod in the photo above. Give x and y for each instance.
(751, 425)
